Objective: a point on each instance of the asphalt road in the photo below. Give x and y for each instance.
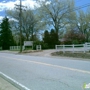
(45, 73)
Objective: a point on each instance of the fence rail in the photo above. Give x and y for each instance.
(73, 48)
(16, 47)
(38, 47)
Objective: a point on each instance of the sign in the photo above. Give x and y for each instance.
(28, 43)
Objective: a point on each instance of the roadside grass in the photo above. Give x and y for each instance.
(14, 50)
(70, 54)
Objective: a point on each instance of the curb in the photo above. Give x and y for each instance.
(13, 82)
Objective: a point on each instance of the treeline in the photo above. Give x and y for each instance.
(68, 26)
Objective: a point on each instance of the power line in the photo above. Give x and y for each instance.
(80, 7)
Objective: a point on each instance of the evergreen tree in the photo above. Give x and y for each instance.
(53, 38)
(6, 37)
(46, 37)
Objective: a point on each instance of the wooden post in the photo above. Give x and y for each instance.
(84, 47)
(56, 47)
(73, 48)
(63, 48)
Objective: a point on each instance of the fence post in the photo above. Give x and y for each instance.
(56, 47)
(23, 47)
(73, 48)
(84, 47)
(63, 48)
(16, 48)
(12, 48)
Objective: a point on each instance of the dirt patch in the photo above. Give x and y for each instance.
(31, 51)
(39, 52)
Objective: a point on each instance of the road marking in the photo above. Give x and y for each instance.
(52, 65)
(14, 81)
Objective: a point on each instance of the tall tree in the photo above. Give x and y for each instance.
(51, 38)
(54, 12)
(46, 37)
(79, 20)
(83, 23)
(6, 37)
(30, 22)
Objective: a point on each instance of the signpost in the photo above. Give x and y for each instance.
(28, 44)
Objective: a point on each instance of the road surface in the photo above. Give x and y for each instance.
(45, 73)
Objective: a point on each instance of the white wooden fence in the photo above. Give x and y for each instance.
(73, 48)
(87, 45)
(38, 47)
(16, 47)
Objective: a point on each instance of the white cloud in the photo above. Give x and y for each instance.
(10, 19)
(11, 4)
(7, 5)
(29, 3)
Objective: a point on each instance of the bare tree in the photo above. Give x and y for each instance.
(54, 12)
(30, 22)
(83, 23)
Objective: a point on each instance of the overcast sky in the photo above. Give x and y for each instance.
(8, 4)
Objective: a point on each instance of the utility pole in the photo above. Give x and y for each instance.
(20, 26)
(20, 23)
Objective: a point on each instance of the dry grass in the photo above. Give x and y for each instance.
(31, 51)
(70, 54)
